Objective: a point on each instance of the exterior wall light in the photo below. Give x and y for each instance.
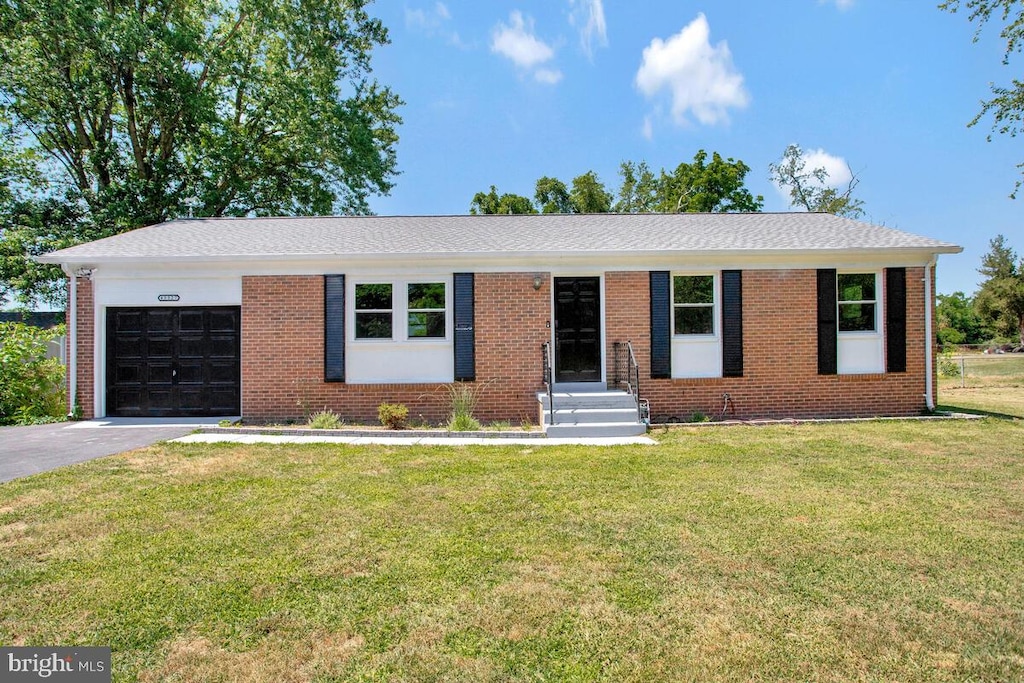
(537, 281)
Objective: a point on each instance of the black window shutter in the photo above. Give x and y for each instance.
(732, 323)
(334, 328)
(661, 325)
(895, 319)
(828, 329)
(465, 337)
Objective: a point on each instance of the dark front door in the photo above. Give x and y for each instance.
(173, 362)
(577, 329)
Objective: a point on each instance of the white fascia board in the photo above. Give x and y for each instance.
(278, 264)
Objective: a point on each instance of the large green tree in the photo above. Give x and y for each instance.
(237, 107)
(957, 320)
(1007, 104)
(1000, 299)
(493, 203)
(703, 187)
(588, 194)
(638, 191)
(809, 188)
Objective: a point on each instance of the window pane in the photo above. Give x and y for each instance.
(369, 297)
(856, 317)
(694, 289)
(426, 324)
(426, 295)
(373, 326)
(694, 320)
(856, 286)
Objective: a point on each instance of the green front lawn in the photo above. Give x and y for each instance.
(870, 551)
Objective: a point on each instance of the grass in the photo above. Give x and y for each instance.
(869, 551)
(993, 384)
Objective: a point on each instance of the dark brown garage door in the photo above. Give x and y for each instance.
(173, 362)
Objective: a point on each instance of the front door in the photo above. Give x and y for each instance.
(577, 329)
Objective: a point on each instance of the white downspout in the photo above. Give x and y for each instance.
(72, 343)
(929, 380)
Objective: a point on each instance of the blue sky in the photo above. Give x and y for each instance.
(503, 93)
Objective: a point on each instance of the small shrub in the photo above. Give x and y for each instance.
(501, 425)
(463, 399)
(392, 415)
(699, 417)
(949, 366)
(31, 385)
(463, 423)
(325, 419)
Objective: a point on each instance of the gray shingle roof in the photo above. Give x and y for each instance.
(385, 236)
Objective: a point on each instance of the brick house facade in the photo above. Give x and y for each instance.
(260, 328)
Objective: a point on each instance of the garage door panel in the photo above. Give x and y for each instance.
(190, 373)
(129, 347)
(174, 362)
(224, 321)
(193, 347)
(223, 373)
(160, 320)
(192, 321)
(159, 347)
(223, 347)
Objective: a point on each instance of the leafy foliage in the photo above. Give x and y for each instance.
(245, 107)
(1000, 299)
(31, 385)
(392, 415)
(958, 322)
(493, 203)
(1007, 104)
(701, 186)
(808, 188)
(325, 419)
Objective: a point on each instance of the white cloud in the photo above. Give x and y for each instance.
(836, 167)
(837, 171)
(548, 76)
(700, 77)
(648, 128)
(433, 22)
(588, 17)
(518, 43)
(842, 5)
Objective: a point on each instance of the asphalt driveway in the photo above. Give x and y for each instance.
(39, 448)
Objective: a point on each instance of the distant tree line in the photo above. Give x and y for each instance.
(993, 314)
(714, 185)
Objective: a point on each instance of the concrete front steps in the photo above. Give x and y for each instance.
(591, 414)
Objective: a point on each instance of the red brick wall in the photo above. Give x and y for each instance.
(86, 349)
(511, 325)
(780, 372)
(283, 353)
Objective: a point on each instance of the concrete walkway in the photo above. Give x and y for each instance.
(412, 440)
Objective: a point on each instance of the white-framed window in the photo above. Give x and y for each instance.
(426, 310)
(693, 305)
(860, 347)
(374, 305)
(857, 299)
(696, 342)
(400, 311)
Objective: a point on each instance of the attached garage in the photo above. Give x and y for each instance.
(173, 362)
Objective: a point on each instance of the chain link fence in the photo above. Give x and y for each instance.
(981, 366)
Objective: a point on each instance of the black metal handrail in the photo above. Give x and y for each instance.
(625, 364)
(549, 383)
